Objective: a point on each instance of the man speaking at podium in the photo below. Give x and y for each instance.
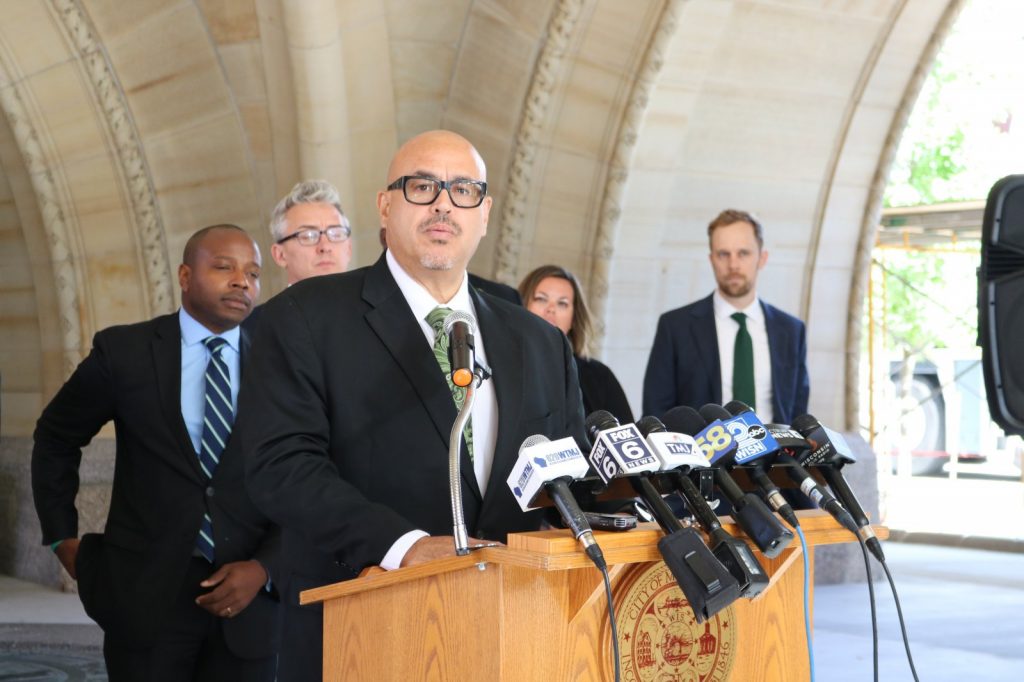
(347, 410)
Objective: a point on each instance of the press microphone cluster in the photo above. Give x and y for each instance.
(721, 440)
(621, 451)
(786, 457)
(679, 455)
(759, 459)
(654, 458)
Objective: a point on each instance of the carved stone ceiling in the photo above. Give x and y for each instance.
(613, 131)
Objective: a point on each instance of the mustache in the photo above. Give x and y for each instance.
(440, 220)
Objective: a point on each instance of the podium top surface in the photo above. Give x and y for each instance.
(557, 550)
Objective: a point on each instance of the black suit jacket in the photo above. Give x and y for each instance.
(493, 288)
(345, 417)
(601, 390)
(128, 575)
(684, 369)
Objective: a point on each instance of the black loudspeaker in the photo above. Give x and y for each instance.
(1001, 303)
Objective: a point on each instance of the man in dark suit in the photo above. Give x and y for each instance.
(347, 413)
(177, 580)
(698, 351)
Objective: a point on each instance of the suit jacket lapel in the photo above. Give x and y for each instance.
(505, 356)
(705, 338)
(778, 338)
(166, 347)
(392, 321)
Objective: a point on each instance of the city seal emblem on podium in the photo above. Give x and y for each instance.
(659, 637)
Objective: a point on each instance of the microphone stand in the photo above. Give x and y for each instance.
(481, 373)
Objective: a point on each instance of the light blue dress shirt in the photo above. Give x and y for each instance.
(194, 359)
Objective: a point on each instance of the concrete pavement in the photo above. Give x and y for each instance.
(963, 609)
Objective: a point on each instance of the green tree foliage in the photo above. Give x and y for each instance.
(931, 152)
(930, 162)
(929, 299)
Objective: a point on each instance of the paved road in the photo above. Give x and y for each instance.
(966, 506)
(963, 610)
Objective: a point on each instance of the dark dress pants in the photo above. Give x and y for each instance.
(190, 645)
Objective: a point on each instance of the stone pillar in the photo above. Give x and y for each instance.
(845, 563)
(22, 554)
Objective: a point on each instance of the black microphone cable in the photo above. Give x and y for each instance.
(830, 455)
(874, 613)
(611, 620)
(602, 565)
(899, 614)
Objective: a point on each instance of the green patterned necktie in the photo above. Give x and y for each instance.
(436, 321)
(743, 363)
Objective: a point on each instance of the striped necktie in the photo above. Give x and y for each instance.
(743, 363)
(436, 321)
(218, 416)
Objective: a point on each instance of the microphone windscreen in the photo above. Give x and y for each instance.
(535, 439)
(735, 407)
(805, 423)
(650, 424)
(599, 421)
(711, 412)
(684, 419)
(457, 316)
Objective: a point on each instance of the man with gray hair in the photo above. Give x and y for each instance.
(310, 232)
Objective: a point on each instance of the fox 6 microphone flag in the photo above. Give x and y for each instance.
(622, 451)
(541, 462)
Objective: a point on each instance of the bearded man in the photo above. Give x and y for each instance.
(730, 345)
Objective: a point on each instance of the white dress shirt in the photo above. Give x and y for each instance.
(485, 406)
(727, 328)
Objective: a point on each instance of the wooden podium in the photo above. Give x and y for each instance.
(537, 610)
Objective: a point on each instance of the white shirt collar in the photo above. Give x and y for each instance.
(420, 300)
(724, 309)
(192, 331)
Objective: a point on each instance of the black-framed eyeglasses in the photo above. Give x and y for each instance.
(311, 237)
(418, 189)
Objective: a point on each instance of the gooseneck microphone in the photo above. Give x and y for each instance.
(679, 454)
(829, 453)
(459, 325)
(546, 466)
(622, 452)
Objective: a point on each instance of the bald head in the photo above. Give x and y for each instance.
(188, 255)
(428, 143)
(433, 239)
